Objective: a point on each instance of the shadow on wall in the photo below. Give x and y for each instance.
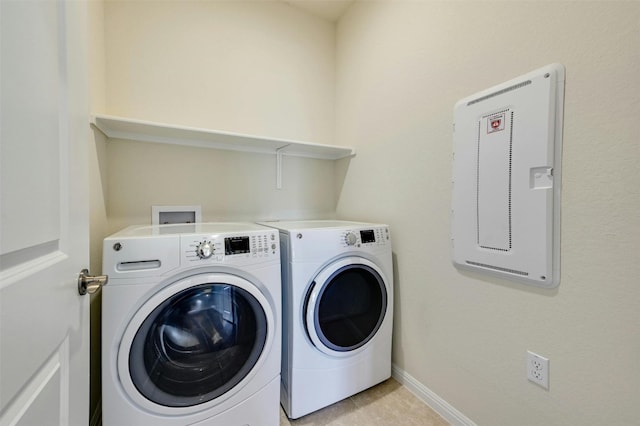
(341, 168)
(398, 354)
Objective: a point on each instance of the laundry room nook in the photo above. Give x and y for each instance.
(330, 123)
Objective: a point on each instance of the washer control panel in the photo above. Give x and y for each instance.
(236, 249)
(365, 237)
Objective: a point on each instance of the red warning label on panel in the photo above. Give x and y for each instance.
(495, 123)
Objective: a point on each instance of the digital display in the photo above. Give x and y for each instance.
(236, 245)
(367, 236)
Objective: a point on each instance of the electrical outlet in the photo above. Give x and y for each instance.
(538, 369)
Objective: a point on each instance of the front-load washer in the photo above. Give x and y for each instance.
(191, 326)
(337, 311)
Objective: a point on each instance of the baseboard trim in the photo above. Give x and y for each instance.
(439, 405)
(96, 416)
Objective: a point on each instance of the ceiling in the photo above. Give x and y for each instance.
(330, 10)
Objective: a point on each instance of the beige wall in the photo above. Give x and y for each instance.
(227, 185)
(252, 67)
(260, 68)
(401, 66)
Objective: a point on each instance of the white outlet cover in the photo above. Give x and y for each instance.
(538, 369)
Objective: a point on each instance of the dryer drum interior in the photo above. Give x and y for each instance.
(350, 308)
(197, 345)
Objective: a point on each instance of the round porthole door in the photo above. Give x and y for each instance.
(195, 343)
(345, 306)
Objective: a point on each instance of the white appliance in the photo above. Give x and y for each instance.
(191, 326)
(337, 311)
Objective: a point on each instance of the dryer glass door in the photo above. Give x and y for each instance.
(197, 344)
(345, 310)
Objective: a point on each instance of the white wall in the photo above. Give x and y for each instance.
(401, 66)
(260, 68)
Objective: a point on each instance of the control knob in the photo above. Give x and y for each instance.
(204, 250)
(350, 239)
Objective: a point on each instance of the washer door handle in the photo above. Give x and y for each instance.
(90, 283)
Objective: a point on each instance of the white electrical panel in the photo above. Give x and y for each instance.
(507, 145)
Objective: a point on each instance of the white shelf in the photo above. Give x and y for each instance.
(146, 131)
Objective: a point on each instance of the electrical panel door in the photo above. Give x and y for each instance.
(507, 145)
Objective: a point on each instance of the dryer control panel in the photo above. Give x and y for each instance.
(230, 249)
(365, 237)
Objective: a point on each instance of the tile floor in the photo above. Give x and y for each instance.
(387, 404)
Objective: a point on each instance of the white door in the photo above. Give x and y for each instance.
(44, 322)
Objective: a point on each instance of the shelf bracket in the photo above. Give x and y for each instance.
(279, 166)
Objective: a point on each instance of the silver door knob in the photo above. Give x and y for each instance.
(90, 283)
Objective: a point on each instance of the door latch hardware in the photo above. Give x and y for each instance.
(90, 283)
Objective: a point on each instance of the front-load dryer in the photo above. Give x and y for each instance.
(191, 326)
(337, 311)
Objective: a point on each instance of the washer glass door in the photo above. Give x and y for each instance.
(197, 344)
(346, 306)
